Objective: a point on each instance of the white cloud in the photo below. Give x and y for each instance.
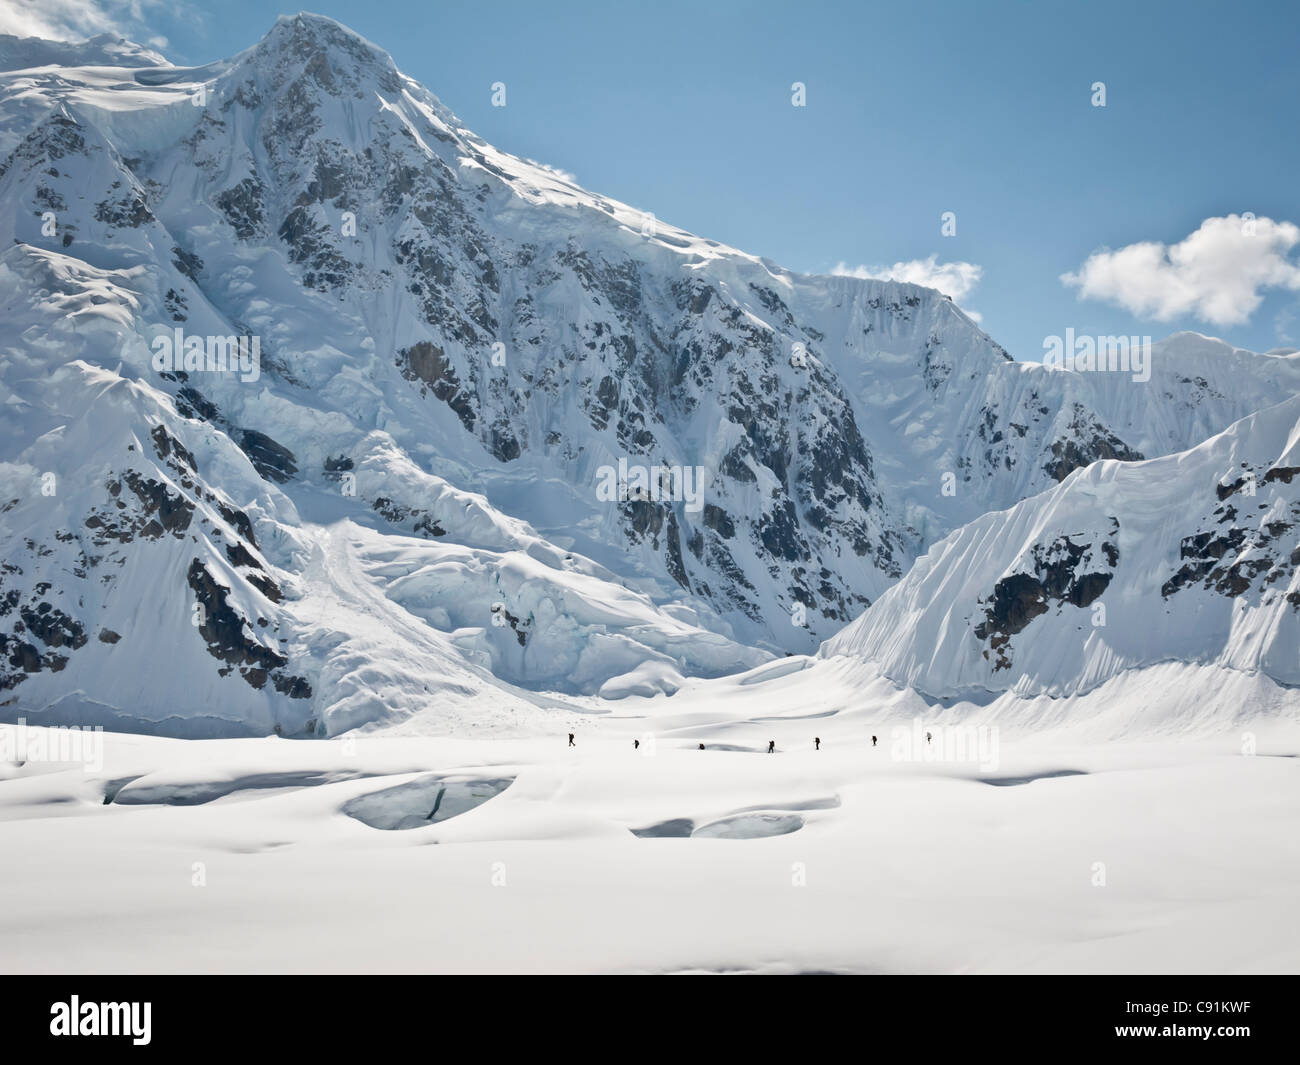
(56, 20)
(957, 279)
(1220, 273)
(75, 20)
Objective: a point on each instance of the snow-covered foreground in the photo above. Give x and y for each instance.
(1047, 850)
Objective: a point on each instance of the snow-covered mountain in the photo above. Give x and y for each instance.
(156, 578)
(459, 352)
(1192, 558)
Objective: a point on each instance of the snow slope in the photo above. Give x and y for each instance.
(455, 343)
(138, 537)
(1079, 654)
(1190, 558)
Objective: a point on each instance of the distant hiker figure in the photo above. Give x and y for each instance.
(636, 745)
(771, 746)
(927, 737)
(571, 743)
(818, 741)
(873, 741)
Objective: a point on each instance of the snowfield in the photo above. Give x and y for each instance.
(339, 616)
(1080, 847)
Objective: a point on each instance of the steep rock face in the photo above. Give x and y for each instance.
(113, 532)
(1062, 571)
(1193, 557)
(155, 576)
(404, 275)
(464, 350)
(557, 344)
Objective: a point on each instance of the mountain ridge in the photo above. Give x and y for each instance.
(466, 340)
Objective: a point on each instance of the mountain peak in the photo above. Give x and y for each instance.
(422, 301)
(338, 60)
(305, 34)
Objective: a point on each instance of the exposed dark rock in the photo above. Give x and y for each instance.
(223, 630)
(239, 555)
(1061, 573)
(426, 363)
(237, 520)
(168, 446)
(190, 403)
(423, 523)
(266, 586)
(719, 521)
(187, 263)
(501, 617)
(1091, 442)
(162, 510)
(273, 461)
(52, 626)
(242, 206)
(175, 305)
(129, 210)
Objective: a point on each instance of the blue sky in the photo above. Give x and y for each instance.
(913, 109)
